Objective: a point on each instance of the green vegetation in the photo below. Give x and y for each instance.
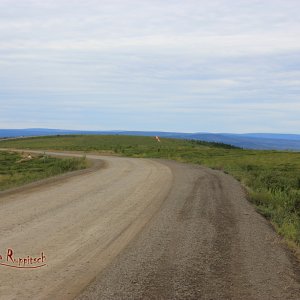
(272, 177)
(17, 169)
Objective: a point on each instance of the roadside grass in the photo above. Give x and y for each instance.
(272, 178)
(16, 169)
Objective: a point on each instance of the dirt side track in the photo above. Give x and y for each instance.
(143, 229)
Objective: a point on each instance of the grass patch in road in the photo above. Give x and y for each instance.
(17, 169)
(272, 177)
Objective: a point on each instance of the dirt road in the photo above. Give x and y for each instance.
(143, 229)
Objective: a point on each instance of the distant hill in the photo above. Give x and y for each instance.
(277, 142)
(262, 141)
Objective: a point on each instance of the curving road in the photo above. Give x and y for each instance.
(142, 229)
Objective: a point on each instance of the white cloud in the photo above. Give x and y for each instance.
(120, 56)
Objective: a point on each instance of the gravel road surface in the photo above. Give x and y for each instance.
(142, 229)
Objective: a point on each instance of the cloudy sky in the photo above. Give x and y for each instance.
(191, 66)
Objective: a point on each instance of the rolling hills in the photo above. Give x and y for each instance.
(260, 141)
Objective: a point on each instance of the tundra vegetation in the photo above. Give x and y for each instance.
(20, 168)
(272, 178)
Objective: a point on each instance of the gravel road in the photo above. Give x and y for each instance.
(142, 229)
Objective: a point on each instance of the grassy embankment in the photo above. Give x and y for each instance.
(272, 177)
(17, 169)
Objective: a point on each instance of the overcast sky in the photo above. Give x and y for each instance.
(190, 66)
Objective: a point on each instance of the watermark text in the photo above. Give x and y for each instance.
(10, 259)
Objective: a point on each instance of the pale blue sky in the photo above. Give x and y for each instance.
(193, 65)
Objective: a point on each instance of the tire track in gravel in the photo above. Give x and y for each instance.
(206, 242)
